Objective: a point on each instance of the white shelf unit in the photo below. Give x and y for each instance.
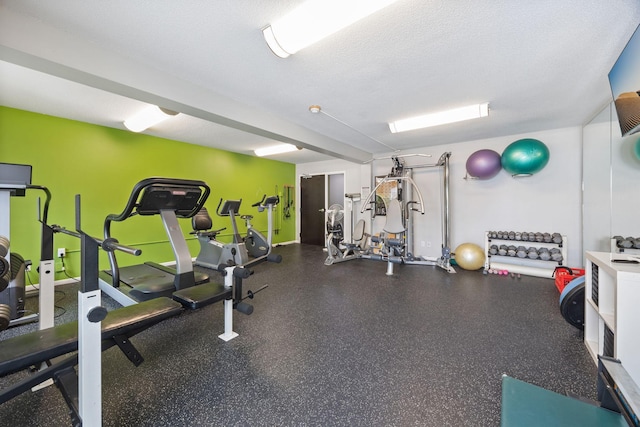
(612, 311)
(527, 266)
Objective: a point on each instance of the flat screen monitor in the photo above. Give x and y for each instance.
(624, 79)
(14, 175)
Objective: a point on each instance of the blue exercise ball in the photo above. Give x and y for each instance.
(636, 149)
(484, 164)
(525, 157)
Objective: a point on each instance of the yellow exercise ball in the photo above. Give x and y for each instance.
(469, 256)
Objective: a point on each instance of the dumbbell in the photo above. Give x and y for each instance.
(556, 255)
(532, 253)
(5, 274)
(539, 237)
(636, 243)
(511, 250)
(556, 238)
(546, 237)
(521, 252)
(518, 235)
(5, 316)
(5, 268)
(493, 249)
(544, 254)
(502, 250)
(500, 235)
(512, 235)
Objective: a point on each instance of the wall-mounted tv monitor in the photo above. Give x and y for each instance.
(14, 175)
(624, 79)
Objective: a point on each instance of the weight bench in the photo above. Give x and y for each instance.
(32, 349)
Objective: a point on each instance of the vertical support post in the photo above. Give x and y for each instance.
(184, 277)
(389, 268)
(46, 294)
(5, 217)
(228, 334)
(89, 332)
(445, 220)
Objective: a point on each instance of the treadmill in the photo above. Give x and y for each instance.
(170, 198)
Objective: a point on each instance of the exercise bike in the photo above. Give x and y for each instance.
(256, 243)
(213, 253)
(253, 249)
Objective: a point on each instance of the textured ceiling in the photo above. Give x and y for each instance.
(541, 65)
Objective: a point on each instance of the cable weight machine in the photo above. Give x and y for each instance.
(399, 210)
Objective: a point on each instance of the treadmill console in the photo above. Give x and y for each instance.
(181, 200)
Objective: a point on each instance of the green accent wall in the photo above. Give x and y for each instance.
(103, 164)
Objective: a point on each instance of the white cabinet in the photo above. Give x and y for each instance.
(524, 265)
(612, 311)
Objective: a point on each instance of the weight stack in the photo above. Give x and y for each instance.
(14, 295)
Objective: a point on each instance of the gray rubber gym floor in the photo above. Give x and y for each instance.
(341, 345)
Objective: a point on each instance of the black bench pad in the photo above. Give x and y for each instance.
(200, 296)
(23, 351)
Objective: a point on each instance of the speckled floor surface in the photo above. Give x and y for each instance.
(341, 345)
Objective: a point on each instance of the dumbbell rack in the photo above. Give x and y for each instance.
(527, 266)
(616, 249)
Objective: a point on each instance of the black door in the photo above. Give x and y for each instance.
(312, 223)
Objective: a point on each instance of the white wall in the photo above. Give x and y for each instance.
(549, 201)
(611, 174)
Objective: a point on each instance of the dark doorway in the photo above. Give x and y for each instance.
(312, 195)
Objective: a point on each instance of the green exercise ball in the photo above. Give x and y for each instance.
(636, 149)
(525, 157)
(469, 256)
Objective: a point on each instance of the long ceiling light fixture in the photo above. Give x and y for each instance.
(440, 118)
(150, 116)
(275, 149)
(314, 20)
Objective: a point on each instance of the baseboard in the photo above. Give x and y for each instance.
(32, 290)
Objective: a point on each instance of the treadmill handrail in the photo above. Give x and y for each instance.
(132, 203)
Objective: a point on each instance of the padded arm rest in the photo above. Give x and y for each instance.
(20, 352)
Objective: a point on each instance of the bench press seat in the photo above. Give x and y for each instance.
(31, 349)
(203, 295)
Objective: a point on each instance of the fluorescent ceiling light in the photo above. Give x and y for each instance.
(314, 20)
(275, 149)
(441, 118)
(150, 116)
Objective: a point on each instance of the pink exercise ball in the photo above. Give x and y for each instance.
(484, 164)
